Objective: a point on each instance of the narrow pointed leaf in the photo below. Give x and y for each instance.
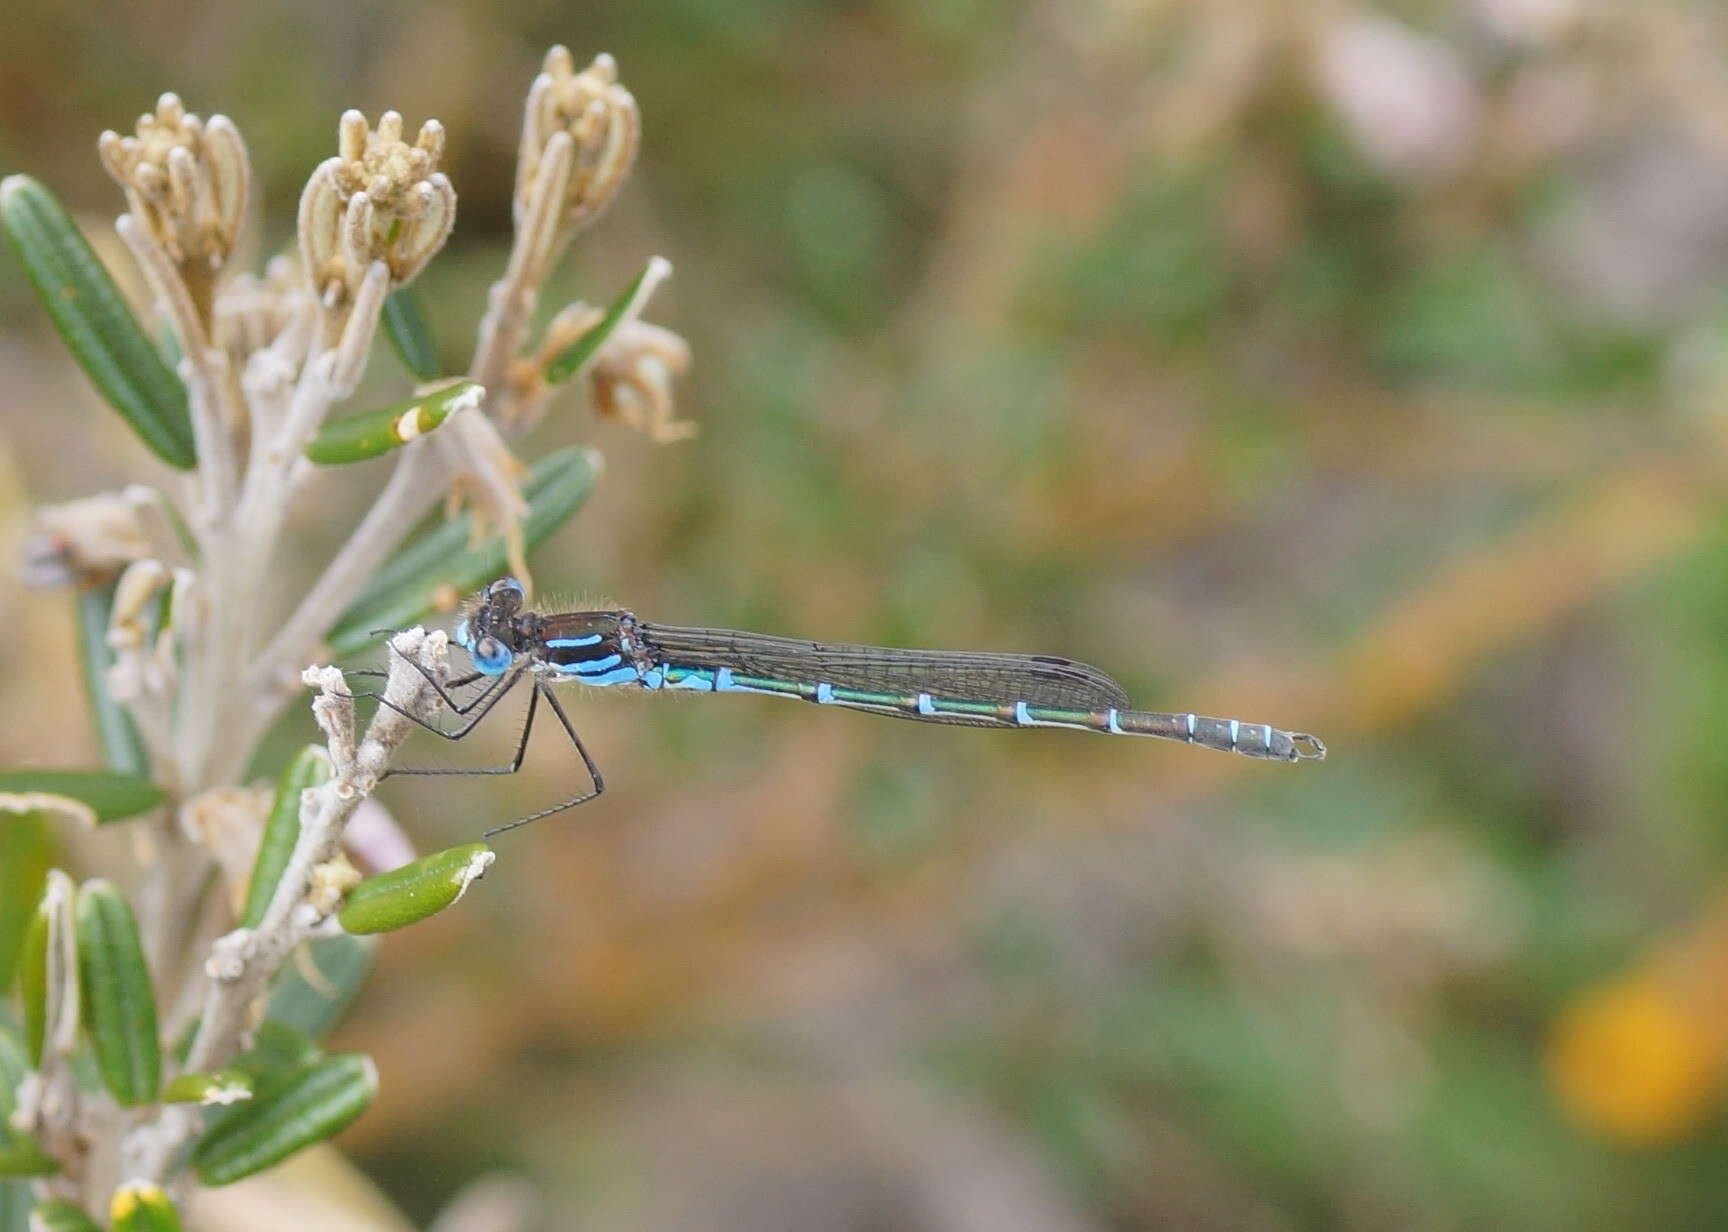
(121, 747)
(110, 795)
(441, 562)
(33, 981)
(358, 437)
(94, 319)
(568, 362)
(59, 1215)
(307, 1107)
(408, 894)
(26, 851)
(119, 1006)
(310, 768)
(48, 970)
(313, 991)
(410, 333)
(140, 1206)
(229, 1086)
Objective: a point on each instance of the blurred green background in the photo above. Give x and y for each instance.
(1354, 367)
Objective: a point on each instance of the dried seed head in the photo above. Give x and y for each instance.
(88, 540)
(601, 119)
(631, 380)
(629, 377)
(185, 181)
(379, 199)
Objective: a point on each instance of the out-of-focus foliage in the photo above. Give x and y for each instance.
(1360, 368)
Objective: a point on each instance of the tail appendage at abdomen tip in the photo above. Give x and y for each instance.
(1260, 740)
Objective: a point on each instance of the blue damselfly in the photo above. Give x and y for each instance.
(614, 649)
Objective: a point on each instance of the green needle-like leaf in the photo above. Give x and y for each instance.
(568, 362)
(26, 851)
(33, 978)
(310, 768)
(119, 1007)
(48, 969)
(410, 333)
(121, 747)
(314, 1001)
(110, 796)
(93, 318)
(441, 561)
(303, 1108)
(414, 891)
(359, 437)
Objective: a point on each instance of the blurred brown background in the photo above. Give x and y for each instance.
(1354, 367)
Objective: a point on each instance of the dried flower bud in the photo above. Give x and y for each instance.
(603, 123)
(631, 380)
(88, 540)
(380, 199)
(186, 182)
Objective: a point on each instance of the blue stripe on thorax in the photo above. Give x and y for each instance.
(599, 672)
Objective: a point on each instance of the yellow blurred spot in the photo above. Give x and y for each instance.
(1631, 1062)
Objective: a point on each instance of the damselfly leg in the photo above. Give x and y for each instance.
(475, 709)
(597, 784)
(484, 700)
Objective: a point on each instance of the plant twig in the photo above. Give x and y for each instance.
(241, 962)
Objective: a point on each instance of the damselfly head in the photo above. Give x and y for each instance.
(490, 632)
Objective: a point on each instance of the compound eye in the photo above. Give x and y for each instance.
(491, 656)
(505, 586)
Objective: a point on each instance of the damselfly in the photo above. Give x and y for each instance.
(614, 649)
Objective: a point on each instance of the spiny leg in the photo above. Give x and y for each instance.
(598, 783)
(486, 698)
(514, 764)
(450, 702)
(489, 697)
